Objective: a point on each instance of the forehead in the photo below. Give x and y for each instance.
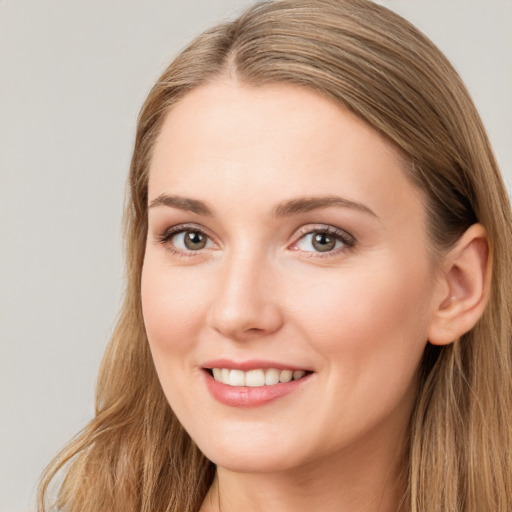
(264, 144)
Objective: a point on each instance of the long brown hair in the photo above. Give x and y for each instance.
(134, 455)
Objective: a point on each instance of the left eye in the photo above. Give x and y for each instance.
(320, 241)
(190, 240)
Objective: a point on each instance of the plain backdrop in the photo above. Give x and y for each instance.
(73, 74)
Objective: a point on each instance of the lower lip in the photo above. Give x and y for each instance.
(244, 396)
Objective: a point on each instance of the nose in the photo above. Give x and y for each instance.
(246, 305)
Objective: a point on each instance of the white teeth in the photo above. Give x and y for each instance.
(286, 376)
(236, 378)
(256, 378)
(271, 377)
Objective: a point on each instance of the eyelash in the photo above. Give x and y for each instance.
(166, 236)
(345, 238)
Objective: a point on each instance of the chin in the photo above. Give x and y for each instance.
(250, 455)
(251, 463)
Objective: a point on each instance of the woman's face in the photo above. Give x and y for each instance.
(284, 243)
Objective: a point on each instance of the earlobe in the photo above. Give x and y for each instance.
(464, 287)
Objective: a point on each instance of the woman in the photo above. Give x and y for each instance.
(317, 310)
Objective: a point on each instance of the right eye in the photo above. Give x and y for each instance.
(190, 240)
(186, 240)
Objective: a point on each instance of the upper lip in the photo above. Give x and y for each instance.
(252, 364)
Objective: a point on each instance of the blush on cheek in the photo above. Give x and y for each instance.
(370, 312)
(169, 304)
(165, 326)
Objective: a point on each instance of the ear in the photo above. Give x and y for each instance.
(463, 287)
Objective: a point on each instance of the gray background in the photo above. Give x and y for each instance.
(73, 74)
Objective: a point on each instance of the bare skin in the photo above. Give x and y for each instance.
(283, 230)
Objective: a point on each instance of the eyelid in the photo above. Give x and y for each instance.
(168, 233)
(346, 238)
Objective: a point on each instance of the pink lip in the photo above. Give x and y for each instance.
(245, 396)
(249, 365)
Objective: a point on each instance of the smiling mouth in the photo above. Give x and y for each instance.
(255, 378)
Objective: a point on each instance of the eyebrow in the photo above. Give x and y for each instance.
(285, 209)
(182, 203)
(307, 204)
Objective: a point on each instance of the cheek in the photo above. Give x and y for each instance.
(170, 305)
(173, 319)
(378, 301)
(369, 326)
(369, 329)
